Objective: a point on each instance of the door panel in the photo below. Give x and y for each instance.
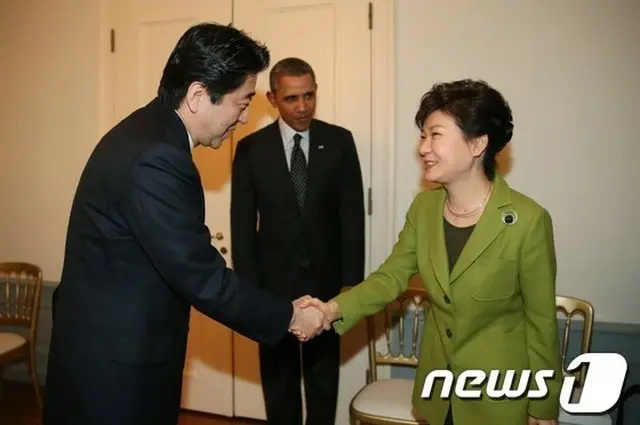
(146, 31)
(333, 36)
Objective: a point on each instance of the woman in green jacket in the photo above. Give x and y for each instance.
(485, 253)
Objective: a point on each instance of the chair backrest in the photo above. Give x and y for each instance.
(397, 330)
(20, 289)
(571, 306)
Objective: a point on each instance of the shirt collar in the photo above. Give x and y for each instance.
(288, 132)
(188, 134)
(190, 140)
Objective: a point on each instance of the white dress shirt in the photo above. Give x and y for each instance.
(287, 139)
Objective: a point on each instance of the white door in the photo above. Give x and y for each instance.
(334, 37)
(145, 32)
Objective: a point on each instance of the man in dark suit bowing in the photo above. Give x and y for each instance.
(297, 228)
(138, 254)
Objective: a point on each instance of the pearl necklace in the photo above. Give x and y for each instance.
(472, 212)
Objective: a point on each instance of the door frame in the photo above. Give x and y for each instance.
(382, 234)
(382, 120)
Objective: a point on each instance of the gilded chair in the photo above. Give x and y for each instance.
(570, 307)
(388, 401)
(20, 289)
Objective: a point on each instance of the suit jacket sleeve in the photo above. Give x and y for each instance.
(538, 285)
(244, 214)
(352, 216)
(168, 225)
(386, 283)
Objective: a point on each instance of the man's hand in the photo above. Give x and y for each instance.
(306, 323)
(330, 309)
(536, 421)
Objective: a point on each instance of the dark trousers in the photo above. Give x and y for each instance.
(86, 386)
(317, 361)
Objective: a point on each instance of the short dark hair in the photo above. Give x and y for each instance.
(478, 110)
(292, 67)
(220, 57)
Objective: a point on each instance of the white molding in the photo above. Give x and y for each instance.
(382, 234)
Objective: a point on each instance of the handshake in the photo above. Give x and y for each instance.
(312, 316)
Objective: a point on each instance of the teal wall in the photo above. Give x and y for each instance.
(608, 337)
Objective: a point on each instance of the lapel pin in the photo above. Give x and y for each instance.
(320, 146)
(509, 217)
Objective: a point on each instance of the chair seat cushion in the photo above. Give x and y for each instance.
(387, 398)
(10, 341)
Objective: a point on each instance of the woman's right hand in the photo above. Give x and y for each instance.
(330, 309)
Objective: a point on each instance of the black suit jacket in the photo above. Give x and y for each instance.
(267, 227)
(138, 256)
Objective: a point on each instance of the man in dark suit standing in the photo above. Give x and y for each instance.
(297, 228)
(138, 254)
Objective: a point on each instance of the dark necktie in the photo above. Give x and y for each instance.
(299, 179)
(299, 171)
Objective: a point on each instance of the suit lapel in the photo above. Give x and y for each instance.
(487, 229)
(281, 169)
(435, 241)
(314, 161)
(277, 147)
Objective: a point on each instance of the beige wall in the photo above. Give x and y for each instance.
(49, 120)
(571, 70)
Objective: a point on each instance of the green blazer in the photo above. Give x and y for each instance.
(495, 310)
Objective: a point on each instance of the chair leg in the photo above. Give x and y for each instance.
(34, 375)
(353, 421)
